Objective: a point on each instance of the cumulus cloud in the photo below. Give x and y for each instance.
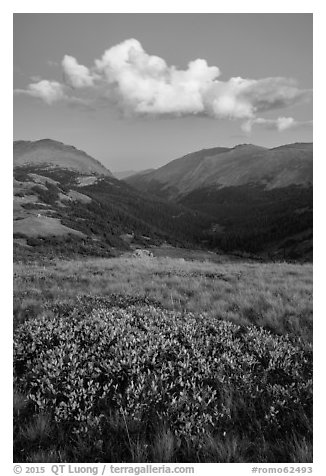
(76, 75)
(280, 124)
(51, 92)
(143, 84)
(48, 91)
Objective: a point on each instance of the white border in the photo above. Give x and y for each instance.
(168, 6)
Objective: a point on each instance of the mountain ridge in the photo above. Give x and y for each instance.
(259, 198)
(243, 164)
(66, 202)
(55, 153)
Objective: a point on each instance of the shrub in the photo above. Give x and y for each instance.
(188, 375)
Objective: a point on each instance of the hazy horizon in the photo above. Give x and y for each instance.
(134, 97)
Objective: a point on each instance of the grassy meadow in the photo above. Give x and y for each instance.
(163, 360)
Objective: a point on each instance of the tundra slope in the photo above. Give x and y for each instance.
(56, 154)
(65, 202)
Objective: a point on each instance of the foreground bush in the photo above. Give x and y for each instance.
(139, 383)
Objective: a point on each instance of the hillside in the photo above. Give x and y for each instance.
(56, 154)
(247, 199)
(260, 199)
(222, 167)
(130, 173)
(67, 203)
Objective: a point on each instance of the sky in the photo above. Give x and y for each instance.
(136, 91)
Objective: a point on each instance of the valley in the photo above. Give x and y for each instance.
(153, 325)
(61, 209)
(248, 200)
(260, 200)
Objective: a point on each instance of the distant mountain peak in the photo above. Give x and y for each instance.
(238, 146)
(248, 147)
(50, 141)
(295, 145)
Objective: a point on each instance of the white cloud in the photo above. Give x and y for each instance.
(76, 75)
(284, 123)
(51, 92)
(143, 84)
(280, 124)
(48, 91)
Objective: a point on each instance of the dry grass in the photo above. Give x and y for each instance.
(35, 226)
(277, 296)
